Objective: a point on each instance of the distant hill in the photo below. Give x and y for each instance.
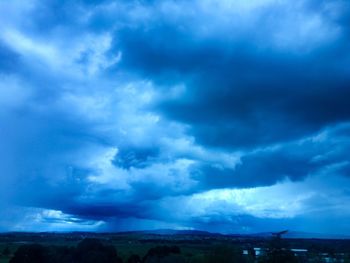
(299, 234)
(296, 234)
(171, 232)
(289, 234)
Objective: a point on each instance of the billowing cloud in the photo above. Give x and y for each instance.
(228, 116)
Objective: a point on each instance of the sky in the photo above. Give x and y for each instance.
(224, 116)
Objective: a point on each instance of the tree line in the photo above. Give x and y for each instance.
(92, 250)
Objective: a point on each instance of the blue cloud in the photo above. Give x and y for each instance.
(114, 111)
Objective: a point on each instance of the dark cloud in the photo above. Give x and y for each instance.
(137, 158)
(167, 49)
(239, 94)
(105, 211)
(262, 112)
(267, 167)
(202, 96)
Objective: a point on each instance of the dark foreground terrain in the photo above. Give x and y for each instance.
(166, 247)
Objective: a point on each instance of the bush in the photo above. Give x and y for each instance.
(33, 253)
(225, 254)
(162, 254)
(198, 259)
(278, 252)
(93, 251)
(6, 251)
(134, 259)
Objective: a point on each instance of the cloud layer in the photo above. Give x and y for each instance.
(219, 115)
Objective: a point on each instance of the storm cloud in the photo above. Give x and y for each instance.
(225, 116)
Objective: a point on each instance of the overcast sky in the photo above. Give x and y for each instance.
(226, 116)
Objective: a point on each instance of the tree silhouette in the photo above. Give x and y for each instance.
(6, 251)
(134, 259)
(225, 254)
(33, 253)
(91, 250)
(164, 254)
(278, 252)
